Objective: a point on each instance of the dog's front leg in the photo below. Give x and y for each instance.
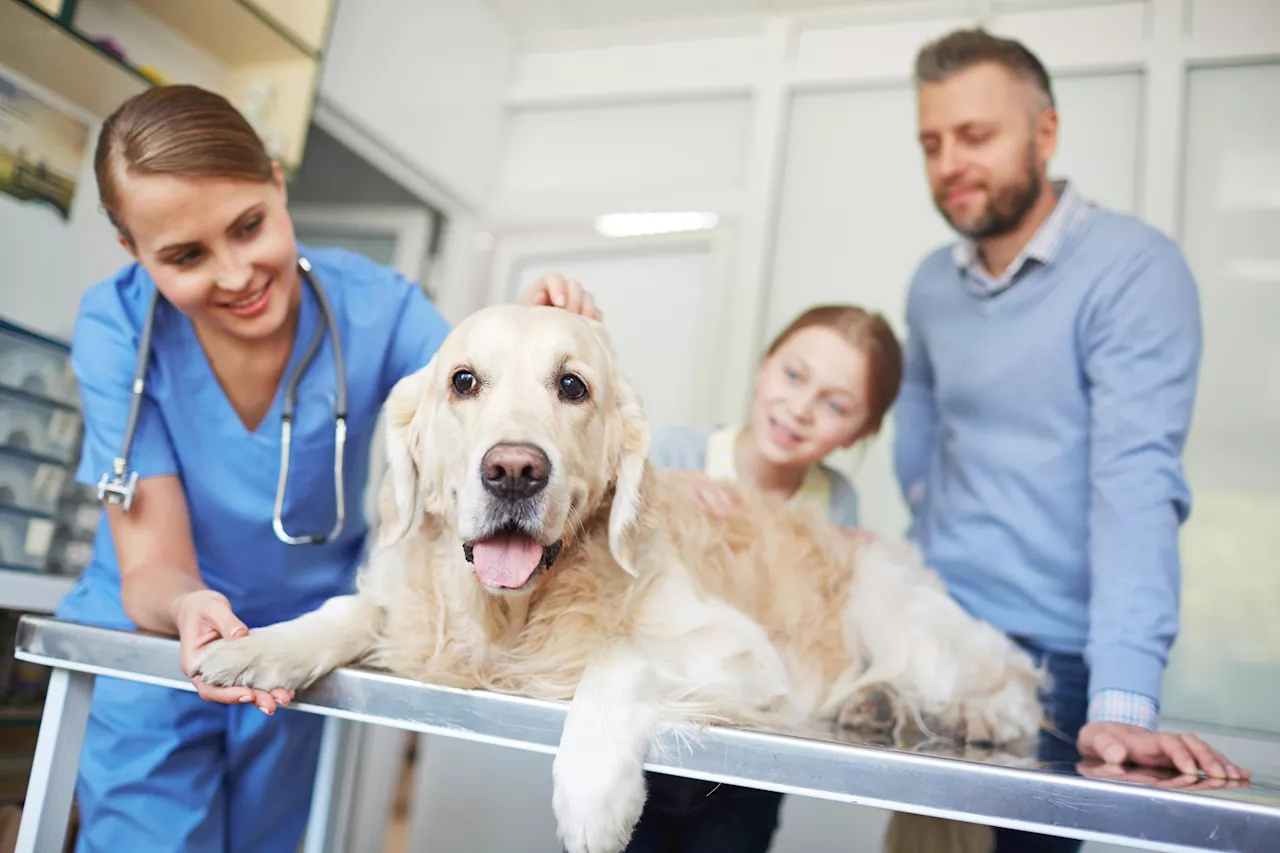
(598, 773)
(294, 654)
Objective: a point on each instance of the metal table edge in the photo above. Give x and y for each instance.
(961, 789)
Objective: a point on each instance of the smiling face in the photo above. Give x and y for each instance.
(512, 437)
(810, 397)
(987, 137)
(222, 251)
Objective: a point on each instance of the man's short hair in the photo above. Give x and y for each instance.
(962, 49)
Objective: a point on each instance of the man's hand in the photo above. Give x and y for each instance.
(1157, 777)
(1120, 743)
(554, 289)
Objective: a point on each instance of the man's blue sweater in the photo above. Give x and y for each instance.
(1039, 441)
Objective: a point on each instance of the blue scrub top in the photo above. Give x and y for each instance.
(186, 426)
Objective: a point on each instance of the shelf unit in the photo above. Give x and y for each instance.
(47, 520)
(269, 51)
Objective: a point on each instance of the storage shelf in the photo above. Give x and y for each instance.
(35, 45)
(31, 591)
(270, 50)
(237, 32)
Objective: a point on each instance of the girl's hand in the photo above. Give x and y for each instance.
(554, 289)
(858, 536)
(202, 617)
(719, 498)
(722, 500)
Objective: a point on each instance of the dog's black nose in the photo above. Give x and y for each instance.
(515, 471)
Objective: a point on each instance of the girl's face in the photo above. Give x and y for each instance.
(810, 398)
(221, 250)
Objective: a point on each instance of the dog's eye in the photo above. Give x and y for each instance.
(465, 383)
(572, 389)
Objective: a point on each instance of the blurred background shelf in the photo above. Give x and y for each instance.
(237, 31)
(264, 56)
(34, 44)
(47, 520)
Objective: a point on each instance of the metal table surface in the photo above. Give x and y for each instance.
(1147, 810)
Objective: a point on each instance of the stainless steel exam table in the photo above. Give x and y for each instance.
(1145, 810)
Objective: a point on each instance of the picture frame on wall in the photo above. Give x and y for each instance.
(43, 144)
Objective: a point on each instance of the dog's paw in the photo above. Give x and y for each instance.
(264, 660)
(597, 800)
(874, 711)
(1008, 716)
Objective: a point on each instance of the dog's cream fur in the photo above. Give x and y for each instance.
(656, 615)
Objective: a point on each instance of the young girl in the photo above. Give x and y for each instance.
(826, 382)
(201, 209)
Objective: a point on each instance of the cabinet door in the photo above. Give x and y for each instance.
(855, 216)
(662, 305)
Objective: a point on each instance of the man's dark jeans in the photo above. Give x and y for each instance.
(1066, 706)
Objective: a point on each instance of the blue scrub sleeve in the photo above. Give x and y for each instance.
(104, 350)
(418, 334)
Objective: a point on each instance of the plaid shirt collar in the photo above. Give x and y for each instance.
(1070, 211)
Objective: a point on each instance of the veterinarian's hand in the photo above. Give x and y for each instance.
(204, 616)
(567, 293)
(1118, 743)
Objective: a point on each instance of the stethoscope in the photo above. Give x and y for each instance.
(120, 484)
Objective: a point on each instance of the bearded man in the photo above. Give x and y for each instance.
(1051, 365)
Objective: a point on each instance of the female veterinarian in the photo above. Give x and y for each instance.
(262, 359)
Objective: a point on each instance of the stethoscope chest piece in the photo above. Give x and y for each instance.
(118, 487)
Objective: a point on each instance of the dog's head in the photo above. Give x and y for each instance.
(518, 432)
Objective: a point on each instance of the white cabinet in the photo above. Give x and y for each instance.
(428, 79)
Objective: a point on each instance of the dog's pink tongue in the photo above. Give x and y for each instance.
(506, 562)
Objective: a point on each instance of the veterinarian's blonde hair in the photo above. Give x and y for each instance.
(867, 332)
(176, 130)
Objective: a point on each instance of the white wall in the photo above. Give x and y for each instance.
(580, 161)
(428, 77)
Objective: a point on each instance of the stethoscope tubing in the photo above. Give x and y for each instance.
(120, 485)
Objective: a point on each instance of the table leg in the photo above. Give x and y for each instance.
(327, 824)
(52, 785)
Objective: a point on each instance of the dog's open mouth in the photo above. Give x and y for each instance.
(509, 558)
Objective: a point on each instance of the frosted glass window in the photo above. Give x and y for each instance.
(1225, 668)
(856, 217)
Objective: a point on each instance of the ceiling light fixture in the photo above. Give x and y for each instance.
(644, 224)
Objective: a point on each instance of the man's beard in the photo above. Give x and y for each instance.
(1007, 207)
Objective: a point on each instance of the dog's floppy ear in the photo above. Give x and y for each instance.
(399, 495)
(632, 441)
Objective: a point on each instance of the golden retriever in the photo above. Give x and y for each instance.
(527, 545)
